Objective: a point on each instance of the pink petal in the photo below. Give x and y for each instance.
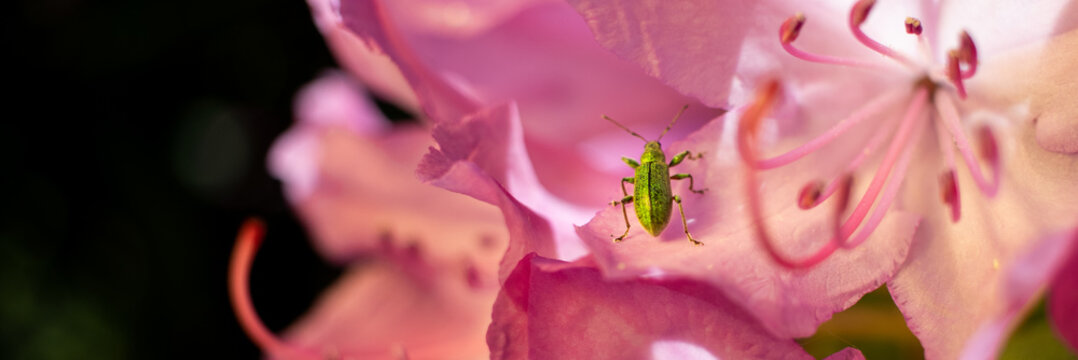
(787, 303)
(697, 47)
(376, 70)
(374, 25)
(847, 354)
(358, 193)
(456, 18)
(1064, 296)
(999, 25)
(1022, 283)
(545, 60)
(1039, 75)
(484, 157)
(384, 311)
(951, 283)
(554, 310)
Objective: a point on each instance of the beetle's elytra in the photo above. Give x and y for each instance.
(652, 198)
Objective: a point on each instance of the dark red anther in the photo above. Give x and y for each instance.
(810, 195)
(791, 28)
(860, 11)
(913, 26)
(967, 53)
(987, 145)
(949, 194)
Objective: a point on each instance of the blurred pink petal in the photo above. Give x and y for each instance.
(381, 310)
(787, 303)
(1063, 299)
(351, 178)
(550, 309)
(1022, 282)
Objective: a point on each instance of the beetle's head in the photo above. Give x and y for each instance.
(653, 151)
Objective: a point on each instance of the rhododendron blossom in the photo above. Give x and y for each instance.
(952, 110)
(845, 145)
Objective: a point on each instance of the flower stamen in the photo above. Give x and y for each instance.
(789, 31)
(949, 194)
(239, 271)
(949, 115)
(858, 14)
(902, 140)
(746, 140)
(967, 52)
(863, 155)
(873, 107)
(954, 73)
(913, 26)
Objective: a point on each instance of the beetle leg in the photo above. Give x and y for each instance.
(682, 176)
(681, 156)
(684, 224)
(626, 180)
(625, 200)
(632, 163)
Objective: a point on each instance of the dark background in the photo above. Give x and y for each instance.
(133, 145)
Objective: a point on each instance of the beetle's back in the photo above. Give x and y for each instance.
(652, 197)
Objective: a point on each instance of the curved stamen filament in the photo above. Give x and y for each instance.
(789, 31)
(863, 155)
(873, 107)
(239, 270)
(858, 14)
(949, 114)
(901, 140)
(889, 194)
(747, 129)
(967, 52)
(954, 72)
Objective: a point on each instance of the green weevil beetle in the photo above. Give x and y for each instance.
(652, 198)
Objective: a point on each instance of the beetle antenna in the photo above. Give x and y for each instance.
(673, 121)
(623, 127)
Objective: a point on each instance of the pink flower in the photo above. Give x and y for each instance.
(1000, 89)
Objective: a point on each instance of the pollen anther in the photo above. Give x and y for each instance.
(913, 26)
(791, 28)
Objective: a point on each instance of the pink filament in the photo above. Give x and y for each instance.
(247, 243)
(954, 72)
(889, 192)
(863, 155)
(824, 59)
(869, 109)
(901, 140)
(857, 15)
(748, 125)
(949, 114)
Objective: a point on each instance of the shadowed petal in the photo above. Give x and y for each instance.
(787, 303)
(483, 156)
(1063, 300)
(550, 309)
